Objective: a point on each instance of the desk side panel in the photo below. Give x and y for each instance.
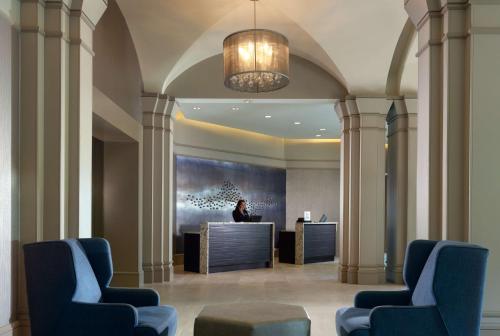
(319, 242)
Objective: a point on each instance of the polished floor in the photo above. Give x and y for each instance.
(313, 286)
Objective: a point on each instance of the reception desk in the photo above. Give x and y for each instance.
(309, 243)
(221, 247)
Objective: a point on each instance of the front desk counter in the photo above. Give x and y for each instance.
(221, 247)
(309, 243)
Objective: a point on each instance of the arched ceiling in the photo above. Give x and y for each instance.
(352, 40)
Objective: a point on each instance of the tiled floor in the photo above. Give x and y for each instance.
(313, 286)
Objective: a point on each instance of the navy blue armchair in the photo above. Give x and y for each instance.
(68, 294)
(444, 293)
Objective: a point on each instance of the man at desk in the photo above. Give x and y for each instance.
(240, 213)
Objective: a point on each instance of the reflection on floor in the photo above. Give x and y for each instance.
(313, 286)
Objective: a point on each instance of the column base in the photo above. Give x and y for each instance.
(371, 275)
(148, 273)
(352, 274)
(158, 273)
(343, 273)
(394, 274)
(168, 270)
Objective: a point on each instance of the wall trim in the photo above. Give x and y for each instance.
(127, 279)
(108, 110)
(490, 321)
(254, 159)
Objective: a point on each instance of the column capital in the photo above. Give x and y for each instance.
(420, 10)
(341, 109)
(367, 106)
(90, 10)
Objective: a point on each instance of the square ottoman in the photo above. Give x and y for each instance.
(252, 319)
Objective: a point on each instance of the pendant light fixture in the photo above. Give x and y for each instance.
(256, 60)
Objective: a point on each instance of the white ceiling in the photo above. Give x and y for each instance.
(352, 40)
(250, 115)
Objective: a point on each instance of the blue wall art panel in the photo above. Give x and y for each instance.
(207, 191)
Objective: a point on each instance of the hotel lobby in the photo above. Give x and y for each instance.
(249, 167)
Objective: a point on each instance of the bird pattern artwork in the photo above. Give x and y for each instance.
(228, 195)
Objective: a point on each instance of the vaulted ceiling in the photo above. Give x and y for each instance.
(352, 41)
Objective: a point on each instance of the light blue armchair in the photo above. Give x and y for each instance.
(69, 294)
(445, 282)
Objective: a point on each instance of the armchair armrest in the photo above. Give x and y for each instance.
(137, 297)
(372, 299)
(408, 321)
(82, 319)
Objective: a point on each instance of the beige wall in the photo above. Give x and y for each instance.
(315, 190)
(206, 80)
(9, 189)
(116, 67)
(200, 139)
(121, 209)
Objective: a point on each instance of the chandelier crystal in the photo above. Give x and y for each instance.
(256, 60)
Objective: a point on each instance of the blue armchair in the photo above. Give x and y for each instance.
(445, 282)
(68, 294)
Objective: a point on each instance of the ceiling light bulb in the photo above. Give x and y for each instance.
(196, 108)
(322, 129)
(297, 123)
(267, 117)
(318, 135)
(236, 108)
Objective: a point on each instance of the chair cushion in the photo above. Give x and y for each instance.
(353, 321)
(156, 321)
(87, 288)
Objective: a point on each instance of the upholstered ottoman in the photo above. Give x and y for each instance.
(252, 319)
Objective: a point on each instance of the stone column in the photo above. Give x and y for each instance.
(158, 190)
(401, 170)
(372, 116)
(31, 135)
(149, 103)
(343, 115)
(80, 126)
(482, 142)
(469, 71)
(353, 213)
(168, 190)
(56, 103)
(55, 121)
(430, 104)
(455, 121)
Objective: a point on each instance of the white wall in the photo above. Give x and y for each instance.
(315, 190)
(9, 131)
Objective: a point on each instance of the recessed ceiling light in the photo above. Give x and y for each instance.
(322, 129)
(236, 108)
(297, 123)
(318, 135)
(268, 117)
(196, 108)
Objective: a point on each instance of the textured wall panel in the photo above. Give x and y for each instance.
(207, 191)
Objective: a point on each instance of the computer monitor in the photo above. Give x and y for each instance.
(255, 218)
(323, 219)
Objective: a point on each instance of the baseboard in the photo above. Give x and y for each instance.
(127, 279)
(491, 322)
(178, 259)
